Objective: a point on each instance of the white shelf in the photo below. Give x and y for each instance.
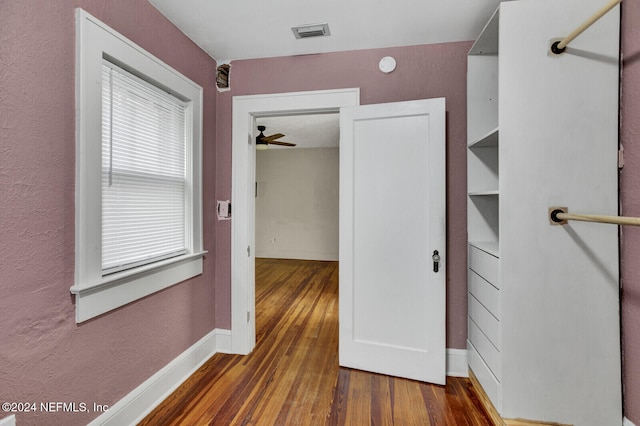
(488, 140)
(484, 193)
(487, 42)
(491, 247)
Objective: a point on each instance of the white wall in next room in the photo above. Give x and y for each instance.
(297, 203)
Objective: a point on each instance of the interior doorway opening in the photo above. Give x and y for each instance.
(246, 111)
(297, 189)
(297, 205)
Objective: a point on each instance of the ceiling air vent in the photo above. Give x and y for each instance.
(314, 30)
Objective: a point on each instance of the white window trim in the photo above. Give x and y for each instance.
(96, 294)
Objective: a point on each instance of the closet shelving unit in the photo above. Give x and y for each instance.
(543, 312)
(483, 205)
(483, 141)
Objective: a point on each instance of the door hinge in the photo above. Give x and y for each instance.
(248, 316)
(621, 157)
(250, 140)
(248, 251)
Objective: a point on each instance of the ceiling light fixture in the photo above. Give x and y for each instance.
(311, 30)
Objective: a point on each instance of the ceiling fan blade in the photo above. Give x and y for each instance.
(281, 143)
(272, 137)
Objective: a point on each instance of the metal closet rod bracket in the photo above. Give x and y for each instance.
(553, 215)
(561, 216)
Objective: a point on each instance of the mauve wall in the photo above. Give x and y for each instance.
(630, 199)
(427, 71)
(44, 355)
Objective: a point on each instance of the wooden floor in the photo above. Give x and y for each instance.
(293, 378)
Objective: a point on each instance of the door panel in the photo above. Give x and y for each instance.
(392, 303)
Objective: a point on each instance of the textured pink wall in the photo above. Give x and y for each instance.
(427, 71)
(630, 198)
(44, 355)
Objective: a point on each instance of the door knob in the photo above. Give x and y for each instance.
(436, 260)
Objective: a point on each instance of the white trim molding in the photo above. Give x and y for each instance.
(143, 399)
(8, 421)
(97, 292)
(301, 255)
(245, 110)
(223, 341)
(627, 422)
(457, 364)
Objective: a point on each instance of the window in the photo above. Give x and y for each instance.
(143, 172)
(138, 173)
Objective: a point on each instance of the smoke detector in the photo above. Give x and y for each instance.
(311, 30)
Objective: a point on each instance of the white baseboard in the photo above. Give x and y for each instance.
(143, 399)
(627, 422)
(284, 254)
(457, 364)
(8, 421)
(223, 341)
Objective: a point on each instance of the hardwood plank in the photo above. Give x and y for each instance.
(410, 407)
(293, 377)
(381, 401)
(338, 413)
(485, 401)
(359, 400)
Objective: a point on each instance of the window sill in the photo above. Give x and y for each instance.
(125, 287)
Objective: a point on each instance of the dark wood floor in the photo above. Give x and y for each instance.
(293, 378)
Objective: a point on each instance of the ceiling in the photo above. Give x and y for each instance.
(250, 29)
(306, 131)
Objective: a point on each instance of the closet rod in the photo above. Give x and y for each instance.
(560, 216)
(559, 46)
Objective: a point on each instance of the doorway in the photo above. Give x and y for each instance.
(392, 216)
(297, 203)
(246, 109)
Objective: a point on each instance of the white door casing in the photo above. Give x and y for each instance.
(392, 218)
(245, 110)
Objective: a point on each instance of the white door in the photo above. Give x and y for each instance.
(392, 219)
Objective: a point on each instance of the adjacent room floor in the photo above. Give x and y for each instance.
(293, 378)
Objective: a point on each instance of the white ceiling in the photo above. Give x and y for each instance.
(248, 29)
(306, 131)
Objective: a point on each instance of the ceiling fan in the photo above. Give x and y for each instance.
(262, 141)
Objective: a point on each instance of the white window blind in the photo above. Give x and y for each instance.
(144, 185)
